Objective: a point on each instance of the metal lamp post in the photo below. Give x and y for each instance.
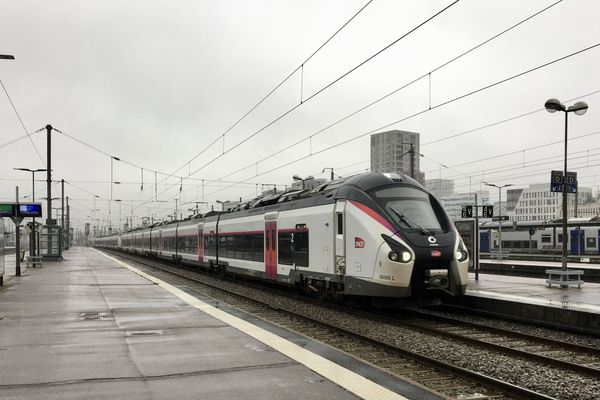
(579, 108)
(324, 169)
(499, 213)
(32, 245)
(298, 178)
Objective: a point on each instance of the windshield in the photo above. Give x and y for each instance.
(409, 207)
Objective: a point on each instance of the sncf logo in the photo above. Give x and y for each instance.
(436, 253)
(359, 243)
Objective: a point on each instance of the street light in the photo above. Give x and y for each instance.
(111, 174)
(298, 178)
(324, 169)
(579, 108)
(499, 214)
(32, 238)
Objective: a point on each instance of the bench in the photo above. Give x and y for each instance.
(564, 278)
(34, 261)
(495, 254)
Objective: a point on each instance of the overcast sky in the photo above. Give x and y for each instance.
(154, 83)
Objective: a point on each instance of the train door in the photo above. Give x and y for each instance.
(271, 249)
(484, 242)
(574, 241)
(598, 241)
(201, 243)
(340, 238)
(577, 238)
(143, 243)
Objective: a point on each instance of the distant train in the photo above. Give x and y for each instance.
(370, 236)
(542, 238)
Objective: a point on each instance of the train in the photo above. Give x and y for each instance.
(583, 237)
(371, 236)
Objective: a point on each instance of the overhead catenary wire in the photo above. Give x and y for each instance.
(301, 66)
(429, 109)
(327, 86)
(13, 141)
(188, 164)
(402, 87)
(22, 123)
(455, 58)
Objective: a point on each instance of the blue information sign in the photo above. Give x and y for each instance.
(571, 182)
(29, 210)
(556, 181)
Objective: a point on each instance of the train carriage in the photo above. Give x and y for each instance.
(372, 235)
(583, 237)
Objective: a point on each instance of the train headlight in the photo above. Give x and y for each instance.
(461, 256)
(406, 256)
(461, 252)
(403, 256)
(399, 252)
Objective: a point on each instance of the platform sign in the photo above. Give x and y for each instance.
(7, 210)
(487, 211)
(571, 182)
(466, 212)
(556, 181)
(29, 210)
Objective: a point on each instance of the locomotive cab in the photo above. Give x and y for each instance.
(418, 252)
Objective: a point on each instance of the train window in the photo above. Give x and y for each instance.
(258, 245)
(546, 239)
(209, 245)
(590, 242)
(340, 223)
(229, 253)
(285, 248)
(559, 240)
(301, 249)
(239, 246)
(248, 247)
(293, 248)
(413, 204)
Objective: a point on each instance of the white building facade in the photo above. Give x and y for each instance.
(538, 203)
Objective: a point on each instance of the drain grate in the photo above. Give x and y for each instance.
(90, 316)
(143, 333)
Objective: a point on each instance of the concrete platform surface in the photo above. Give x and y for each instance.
(89, 328)
(536, 291)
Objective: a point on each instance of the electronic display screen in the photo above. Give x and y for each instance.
(30, 210)
(7, 209)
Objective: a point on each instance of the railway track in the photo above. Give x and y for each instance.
(448, 378)
(561, 354)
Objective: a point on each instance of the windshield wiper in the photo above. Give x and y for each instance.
(411, 224)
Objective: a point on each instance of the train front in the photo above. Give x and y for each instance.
(400, 242)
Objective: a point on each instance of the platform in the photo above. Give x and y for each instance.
(90, 327)
(532, 299)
